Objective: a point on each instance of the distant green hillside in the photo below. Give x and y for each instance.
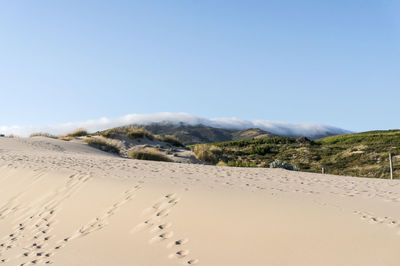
(363, 154)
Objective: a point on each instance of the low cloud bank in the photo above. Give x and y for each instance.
(310, 130)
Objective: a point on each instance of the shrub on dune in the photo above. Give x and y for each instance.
(148, 154)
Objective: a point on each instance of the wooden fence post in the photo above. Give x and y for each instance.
(391, 166)
(323, 170)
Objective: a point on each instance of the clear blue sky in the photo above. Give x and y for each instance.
(330, 62)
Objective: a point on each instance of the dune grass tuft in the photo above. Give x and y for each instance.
(207, 153)
(148, 154)
(103, 144)
(65, 138)
(138, 132)
(80, 132)
(42, 134)
(109, 133)
(222, 163)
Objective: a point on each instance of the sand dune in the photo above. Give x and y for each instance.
(65, 203)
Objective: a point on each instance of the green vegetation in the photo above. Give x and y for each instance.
(80, 132)
(389, 137)
(242, 163)
(42, 134)
(148, 154)
(104, 145)
(363, 154)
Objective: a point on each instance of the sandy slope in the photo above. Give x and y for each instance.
(65, 203)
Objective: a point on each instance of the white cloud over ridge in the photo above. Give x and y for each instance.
(311, 130)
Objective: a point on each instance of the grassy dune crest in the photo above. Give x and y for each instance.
(42, 134)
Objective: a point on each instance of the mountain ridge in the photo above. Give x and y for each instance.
(189, 134)
(196, 134)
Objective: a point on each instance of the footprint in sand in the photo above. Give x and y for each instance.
(179, 254)
(163, 213)
(162, 237)
(155, 222)
(178, 242)
(162, 227)
(96, 224)
(192, 262)
(389, 221)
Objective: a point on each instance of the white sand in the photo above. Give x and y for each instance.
(65, 203)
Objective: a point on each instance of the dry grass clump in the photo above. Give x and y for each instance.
(42, 134)
(110, 133)
(80, 132)
(148, 154)
(222, 163)
(207, 153)
(172, 140)
(138, 132)
(132, 132)
(65, 138)
(103, 144)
